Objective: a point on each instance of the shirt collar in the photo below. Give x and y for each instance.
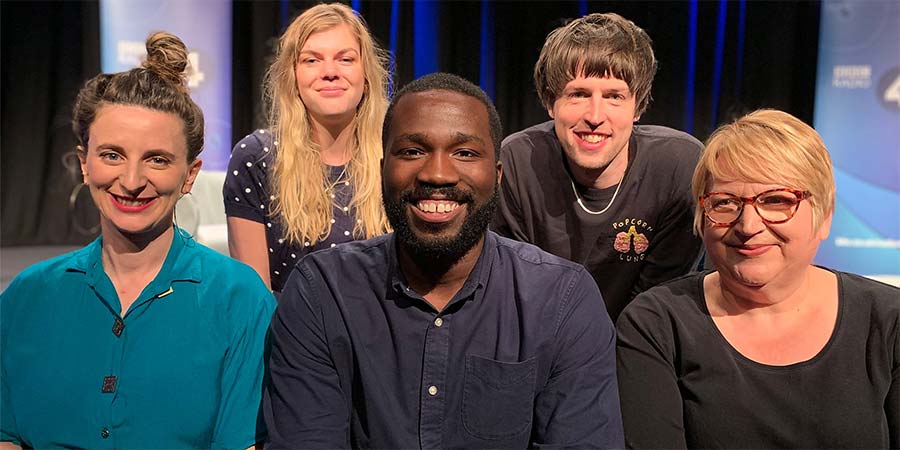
(394, 276)
(177, 266)
(472, 288)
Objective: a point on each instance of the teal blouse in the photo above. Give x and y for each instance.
(182, 369)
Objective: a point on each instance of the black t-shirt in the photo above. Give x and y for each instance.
(682, 384)
(643, 239)
(247, 195)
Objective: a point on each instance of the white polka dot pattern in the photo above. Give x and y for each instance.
(247, 186)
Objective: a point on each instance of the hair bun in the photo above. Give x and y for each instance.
(167, 56)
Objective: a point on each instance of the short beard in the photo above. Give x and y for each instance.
(442, 252)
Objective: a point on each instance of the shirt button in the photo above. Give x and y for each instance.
(104, 433)
(438, 322)
(432, 390)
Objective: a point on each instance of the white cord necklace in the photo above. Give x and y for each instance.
(596, 213)
(339, 179)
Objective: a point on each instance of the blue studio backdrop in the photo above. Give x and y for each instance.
(205, 27)
(857, 112)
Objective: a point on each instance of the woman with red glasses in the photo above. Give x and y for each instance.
(766, 350)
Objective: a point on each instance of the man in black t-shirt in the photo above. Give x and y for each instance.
(591, 186)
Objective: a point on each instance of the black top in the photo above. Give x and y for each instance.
(643, 239)
(682, 384)
(247, 195)
(523, 355)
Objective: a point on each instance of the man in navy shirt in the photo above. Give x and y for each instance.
(441, 334)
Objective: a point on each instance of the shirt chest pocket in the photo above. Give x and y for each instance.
(498, 397)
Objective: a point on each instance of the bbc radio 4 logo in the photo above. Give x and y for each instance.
(860, 77)
(131, 53)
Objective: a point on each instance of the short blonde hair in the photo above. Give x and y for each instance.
(596, 45)
(299, 182)
(768, 146)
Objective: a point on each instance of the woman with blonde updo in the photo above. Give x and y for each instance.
(312, 180)
(144, 338)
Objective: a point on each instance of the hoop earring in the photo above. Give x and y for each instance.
(193, 214)
(73, 199)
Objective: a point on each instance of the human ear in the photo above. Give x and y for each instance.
(191, 177)
(82, 161)
(824, 228)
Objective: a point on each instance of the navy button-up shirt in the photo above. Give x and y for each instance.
(523, 355)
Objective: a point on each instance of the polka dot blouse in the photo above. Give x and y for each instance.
(247, 196)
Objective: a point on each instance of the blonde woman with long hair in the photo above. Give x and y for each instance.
(312, 180)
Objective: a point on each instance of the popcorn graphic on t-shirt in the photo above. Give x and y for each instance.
(624, 240)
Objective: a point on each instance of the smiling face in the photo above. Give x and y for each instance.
(751, 253)
(593, 119)
(136, 167)
(330, 76)
(440, 173)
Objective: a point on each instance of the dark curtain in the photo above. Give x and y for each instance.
(48, 50)
(748, 54)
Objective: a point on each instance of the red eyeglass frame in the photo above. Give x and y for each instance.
(802, 195)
